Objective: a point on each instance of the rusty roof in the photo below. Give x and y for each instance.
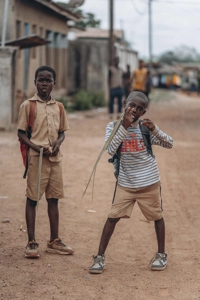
(60, 10)
(97, 33)
(27, 42)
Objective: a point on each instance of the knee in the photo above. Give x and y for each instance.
(52, 201)
(31, 203)
(113, 220)
(158, 221)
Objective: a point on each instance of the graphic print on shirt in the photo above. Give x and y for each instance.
(134, 144)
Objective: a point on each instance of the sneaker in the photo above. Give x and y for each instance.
(158, 262)
(57, 246)
(98, 265)
(32, 250)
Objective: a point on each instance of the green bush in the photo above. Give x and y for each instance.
(66, 103)
(85, 100)
(82, 100)
(98, 99)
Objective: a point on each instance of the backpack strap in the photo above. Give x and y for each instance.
(32, 113)
(146, 138)
(61, 107)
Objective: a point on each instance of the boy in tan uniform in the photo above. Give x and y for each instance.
(50, 123)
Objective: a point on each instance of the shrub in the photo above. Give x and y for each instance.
(66, 103)
(85, 100)
(98, 99)
(82, 100)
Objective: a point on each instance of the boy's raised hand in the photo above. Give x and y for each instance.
(149, 124)
(128, 118)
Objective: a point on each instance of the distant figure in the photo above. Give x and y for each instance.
(127, 80)
(138, 80)
(198, 81)
(116, 86)
(148, 84)
(176, 83)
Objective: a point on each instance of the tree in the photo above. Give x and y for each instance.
(88, 18)
(180, 54)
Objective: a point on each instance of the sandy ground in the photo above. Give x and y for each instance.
(133, 243)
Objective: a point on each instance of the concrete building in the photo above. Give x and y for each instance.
(88, 56)
(46, 21)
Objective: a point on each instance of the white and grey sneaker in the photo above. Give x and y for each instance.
(158, 262)
(98, 265)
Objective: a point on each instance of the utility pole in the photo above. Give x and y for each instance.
(5, 17)
(150, 34)
(110, 47)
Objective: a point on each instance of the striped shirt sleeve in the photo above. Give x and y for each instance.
(158, 137)
(117, 139)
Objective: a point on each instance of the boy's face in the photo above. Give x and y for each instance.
(44, 83)
(138, 107)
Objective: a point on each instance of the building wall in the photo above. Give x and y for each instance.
(89, 64)
(6, 84)
(29, 17)
(10, 33)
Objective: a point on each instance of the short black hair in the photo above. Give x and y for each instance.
(46, 68)
(138, 94)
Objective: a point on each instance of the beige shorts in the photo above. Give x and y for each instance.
(148, 199)
(51, 178)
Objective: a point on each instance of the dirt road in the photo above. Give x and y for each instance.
(133, 244)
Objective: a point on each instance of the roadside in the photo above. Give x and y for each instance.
(133, 244)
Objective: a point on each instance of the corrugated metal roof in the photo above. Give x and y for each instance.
(60, 10)
(97, 33)
(28, 42)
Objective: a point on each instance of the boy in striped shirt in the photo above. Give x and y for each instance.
(138, 178)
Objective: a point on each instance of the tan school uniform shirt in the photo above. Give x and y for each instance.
(47, 123)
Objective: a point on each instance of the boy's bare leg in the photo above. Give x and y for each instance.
(53, 218)
(106, 234)
(160, 234)
(30, 218)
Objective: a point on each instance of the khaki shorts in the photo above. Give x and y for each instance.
(148, 199)
(51, 178)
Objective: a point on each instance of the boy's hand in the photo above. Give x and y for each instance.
(149, 124)
(47, 151)
(128, 118)
(55, 147)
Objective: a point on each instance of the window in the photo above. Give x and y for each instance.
(18, 29)
(34, 31)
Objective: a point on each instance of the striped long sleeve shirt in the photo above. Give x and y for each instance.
(137, 167)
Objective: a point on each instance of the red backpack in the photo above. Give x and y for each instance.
(23, 147)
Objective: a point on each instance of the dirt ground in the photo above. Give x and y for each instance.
(133, 244)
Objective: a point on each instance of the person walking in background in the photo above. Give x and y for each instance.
(138, 79)
(148, 84)
(127, 80)
(116, 87)
(198, 81)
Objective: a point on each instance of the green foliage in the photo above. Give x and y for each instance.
(88, 18)
(82, 100)
(85, 100)
(98, 99)
(66, 103)
(180, 54)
